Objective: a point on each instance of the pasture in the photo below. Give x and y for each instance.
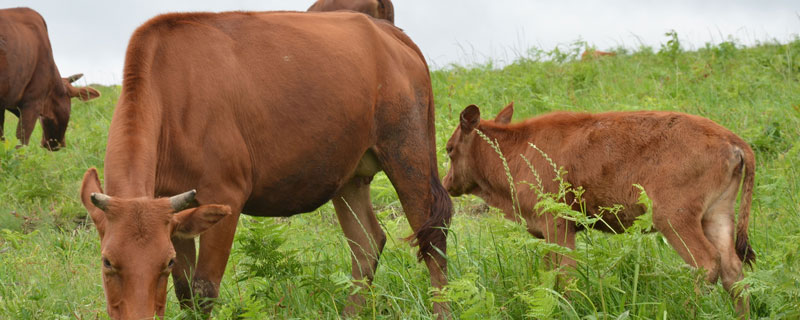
(299, 267)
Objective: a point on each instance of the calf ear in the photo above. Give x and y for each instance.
(190, 223)
(90, 185)
(504, 117)
(470, 118)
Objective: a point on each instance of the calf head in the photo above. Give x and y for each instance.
(136, 245)
(55, 114)
(462, 150)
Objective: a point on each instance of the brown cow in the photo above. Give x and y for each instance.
(590, 54)
(381, 9)
(30, 84)
(284, 132)
(690, 167)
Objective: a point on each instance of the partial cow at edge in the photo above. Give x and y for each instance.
(30, 85)
(691, 168)
(381, 9)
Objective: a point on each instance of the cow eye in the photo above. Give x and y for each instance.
(171, 263)
(106, 263)
(449, 149)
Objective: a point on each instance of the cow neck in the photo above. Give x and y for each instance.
(131, 155)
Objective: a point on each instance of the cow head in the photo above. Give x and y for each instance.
(461, 149)
(136, 245)
(55, 116)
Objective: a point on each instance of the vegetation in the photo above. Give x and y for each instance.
(299, 267)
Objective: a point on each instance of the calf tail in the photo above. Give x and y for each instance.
(743, 249)
(432, 236)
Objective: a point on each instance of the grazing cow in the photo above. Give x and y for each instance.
(591, 54)
(381, 9)
(285, 131)
(690, 167)
(30, 84)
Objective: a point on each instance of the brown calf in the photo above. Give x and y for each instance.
(30, 85)
(287, 130)
(690, 167)
(381, 9)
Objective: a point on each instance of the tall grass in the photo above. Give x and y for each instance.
(299, 267)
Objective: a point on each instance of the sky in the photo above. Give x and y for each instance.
(90, 37)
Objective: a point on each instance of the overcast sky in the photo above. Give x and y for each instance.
(91, 36)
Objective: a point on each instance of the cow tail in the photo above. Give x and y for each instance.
(743, 248)
(387, 8)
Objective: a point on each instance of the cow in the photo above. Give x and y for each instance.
(689, 166)
(381, 9)
(30, 85)
(241, 109)
(591, 54)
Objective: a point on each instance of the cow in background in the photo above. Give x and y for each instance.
(591, 54)
(381, 9)
(30, 85)
(691, 168)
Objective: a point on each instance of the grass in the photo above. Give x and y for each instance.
(299, 267)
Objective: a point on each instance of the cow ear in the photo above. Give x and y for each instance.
(470, 118)
(90, 186)
(83, 93)
(191, 223)
(504, 117)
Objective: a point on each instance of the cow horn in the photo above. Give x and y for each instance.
(180, 201)
(100, 200)
(74, 77)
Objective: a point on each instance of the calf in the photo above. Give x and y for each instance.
(690, 167)
(30, 84)
(381, 9)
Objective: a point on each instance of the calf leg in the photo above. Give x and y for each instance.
(561, 232)
(718, 225)
(364, 235)
(683, 230)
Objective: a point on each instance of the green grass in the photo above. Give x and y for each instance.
(299, 267)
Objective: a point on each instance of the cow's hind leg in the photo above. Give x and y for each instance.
(718, 225)
(680, 224)
(410, 163)
(364, 235)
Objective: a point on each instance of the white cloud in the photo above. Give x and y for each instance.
(91, 36)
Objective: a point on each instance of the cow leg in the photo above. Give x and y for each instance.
(2, 123)
(682, 227)
(215, 248)
(364, 235)
(718, 226)
(185, 261)
(29, 113)
(411, 169)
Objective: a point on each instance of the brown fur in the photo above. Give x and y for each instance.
(30, 85)
(381, 9)
(690, 167)
(242, 107)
